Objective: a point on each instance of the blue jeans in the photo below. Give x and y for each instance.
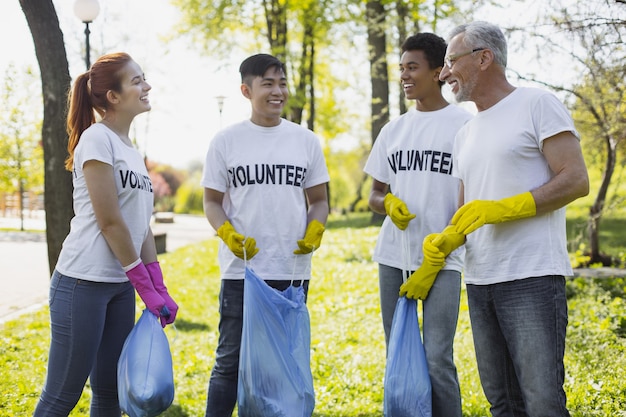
(440, 316)
(222, 392)
(519, 335)
(89, 323)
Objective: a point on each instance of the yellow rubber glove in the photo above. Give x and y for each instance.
(437, 246)
(312, 238)
(433, 255)
(397, 210)
(420, 282)
(479, 212)
(236, 242)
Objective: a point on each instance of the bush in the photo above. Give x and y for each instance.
(189, 198)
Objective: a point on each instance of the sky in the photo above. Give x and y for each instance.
(185, 114)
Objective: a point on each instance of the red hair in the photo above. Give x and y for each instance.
(89, 94)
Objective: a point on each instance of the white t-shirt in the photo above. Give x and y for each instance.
(85, 253)
(413, 154)
(263, 172)
(498, 154)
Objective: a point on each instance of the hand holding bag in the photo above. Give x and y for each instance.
(408, 392)
(145, 377)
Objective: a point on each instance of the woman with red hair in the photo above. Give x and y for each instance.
(110, 250)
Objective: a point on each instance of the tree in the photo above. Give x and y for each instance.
(21, 156)
(379, 72)
(219, 23)
(379, 75)
(55, 82)
(600, 114)
(276, 20)
(595, 49)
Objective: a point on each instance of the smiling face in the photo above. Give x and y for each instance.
(462, 73)
(268, 95)
(133, 95)
(418, 80)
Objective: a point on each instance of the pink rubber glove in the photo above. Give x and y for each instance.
(140, 278)
(154, 269)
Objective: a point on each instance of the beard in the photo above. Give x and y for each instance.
(465, 90)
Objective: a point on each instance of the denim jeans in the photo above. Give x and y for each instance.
(222, 392)
(440, 316)
(89, 323)
(519, 335)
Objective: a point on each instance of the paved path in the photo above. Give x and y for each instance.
(24, 273)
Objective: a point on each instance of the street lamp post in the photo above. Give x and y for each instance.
(87, 11)
(220, 106)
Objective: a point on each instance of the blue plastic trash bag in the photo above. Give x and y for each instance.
(145, 378)
(408, 392)
(275, 377)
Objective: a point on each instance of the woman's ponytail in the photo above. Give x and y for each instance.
(80, 115)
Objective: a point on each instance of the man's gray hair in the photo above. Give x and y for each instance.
(484, 35)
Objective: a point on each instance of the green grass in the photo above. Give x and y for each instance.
(347, 342)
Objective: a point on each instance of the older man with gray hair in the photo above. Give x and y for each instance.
(520, 163)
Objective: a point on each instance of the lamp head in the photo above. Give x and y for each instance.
(86, 10)
(220, 102)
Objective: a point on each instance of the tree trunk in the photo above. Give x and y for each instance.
(276, 19)
(595, 211)
(55, 81)
(377, 42)
(298, 100)
(403, 12)
(359, 195)
(310, 71)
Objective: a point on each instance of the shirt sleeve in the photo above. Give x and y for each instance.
(214, 174)
(94, 144)
(551, 117)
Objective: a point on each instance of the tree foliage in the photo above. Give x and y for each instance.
(295, 32)
(591, 36)
(21, 153)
